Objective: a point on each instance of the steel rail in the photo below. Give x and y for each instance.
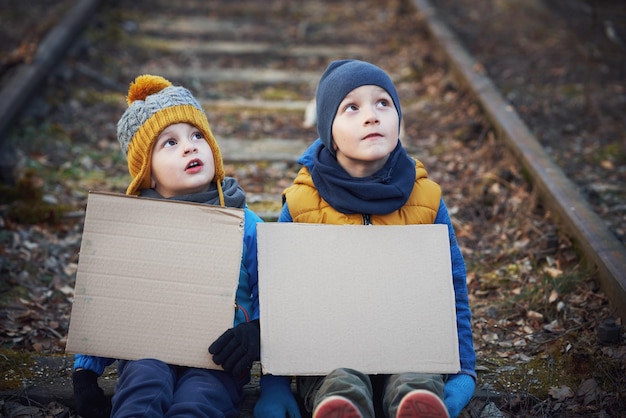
(596, 243)
(30, 76)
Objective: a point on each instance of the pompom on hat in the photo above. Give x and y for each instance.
(153, 105)
(339, 79)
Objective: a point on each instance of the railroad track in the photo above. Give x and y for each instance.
(249, 61)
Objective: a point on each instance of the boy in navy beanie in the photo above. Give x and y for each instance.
(340, 78)
(357, 172)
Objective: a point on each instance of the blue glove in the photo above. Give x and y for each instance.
(457, 393)
(277, 399)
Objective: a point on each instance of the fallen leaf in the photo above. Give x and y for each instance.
(561, 393)
(554, 295)
(607, 165)
(588, 390)
(553, 326)
(553, 272)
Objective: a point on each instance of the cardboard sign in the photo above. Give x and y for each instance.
(379, 299)
(155, 279)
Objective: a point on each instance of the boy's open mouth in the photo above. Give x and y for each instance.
(193, 164)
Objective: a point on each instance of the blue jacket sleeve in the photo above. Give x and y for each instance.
(93, 363)
(463, 313)
(284, 215)
(250, 261)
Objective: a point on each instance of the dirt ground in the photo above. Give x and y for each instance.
(538, 314)
(562, 64)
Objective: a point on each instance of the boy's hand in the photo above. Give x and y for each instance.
(277, 400)
(457, 393)
(88, 396)
(238, 348)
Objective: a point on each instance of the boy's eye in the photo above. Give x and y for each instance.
(351, 108)
(197, 136)
(169, 143)
(383, 103)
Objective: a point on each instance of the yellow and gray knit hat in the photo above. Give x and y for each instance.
(154, 104)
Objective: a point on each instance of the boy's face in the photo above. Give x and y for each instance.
(365, 130)
(182, 161)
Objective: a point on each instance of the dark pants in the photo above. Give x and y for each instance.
(151, 388)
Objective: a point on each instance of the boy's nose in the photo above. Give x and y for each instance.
(190, 147)
(371, 117)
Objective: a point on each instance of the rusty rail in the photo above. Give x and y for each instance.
(597, 244)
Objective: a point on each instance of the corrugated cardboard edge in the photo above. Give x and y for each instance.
(186, 321)
(312, 324)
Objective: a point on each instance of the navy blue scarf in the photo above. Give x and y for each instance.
(384, 192)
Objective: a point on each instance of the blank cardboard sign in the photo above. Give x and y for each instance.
(155, 279)
(378, 299)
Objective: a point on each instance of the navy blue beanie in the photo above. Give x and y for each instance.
(339, 79)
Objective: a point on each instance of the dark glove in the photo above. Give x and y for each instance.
(238, 348)
(88, 396)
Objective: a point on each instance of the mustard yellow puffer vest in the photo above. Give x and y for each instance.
(307, 206)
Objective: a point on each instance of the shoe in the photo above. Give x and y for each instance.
(421, 403)
(336, 407)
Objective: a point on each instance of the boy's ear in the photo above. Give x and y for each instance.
(152, 183)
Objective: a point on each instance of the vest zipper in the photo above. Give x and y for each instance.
(367, 219)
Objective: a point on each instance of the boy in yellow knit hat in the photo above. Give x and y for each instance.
(172, 154)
